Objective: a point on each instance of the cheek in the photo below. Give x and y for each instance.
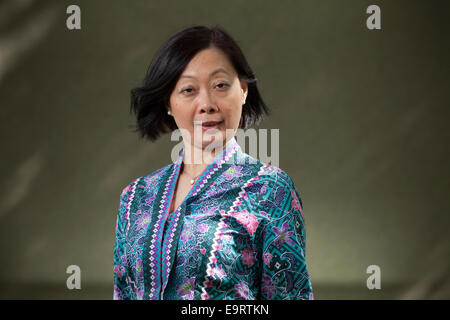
(234, 115)
(183, 116)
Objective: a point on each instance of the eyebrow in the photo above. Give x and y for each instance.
(212, 73)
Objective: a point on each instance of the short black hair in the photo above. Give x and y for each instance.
(149, 102)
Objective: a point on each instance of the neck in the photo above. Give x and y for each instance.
(197, 159)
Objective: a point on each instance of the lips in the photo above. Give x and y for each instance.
(208, 125)
(211, 123)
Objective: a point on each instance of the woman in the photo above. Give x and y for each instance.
(224, 227)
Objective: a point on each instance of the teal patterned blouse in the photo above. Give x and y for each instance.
(238, 235)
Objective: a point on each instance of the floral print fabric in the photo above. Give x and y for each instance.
(239, 234)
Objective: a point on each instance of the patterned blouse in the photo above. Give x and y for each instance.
(238, 234)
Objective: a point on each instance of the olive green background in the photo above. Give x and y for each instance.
(363, 118)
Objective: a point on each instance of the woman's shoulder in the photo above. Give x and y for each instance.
(144, 183)
(274, 177)
(268, 173)
(271, 190)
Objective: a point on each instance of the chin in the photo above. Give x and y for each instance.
(213, 139)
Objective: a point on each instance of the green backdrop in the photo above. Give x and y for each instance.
(363, 118)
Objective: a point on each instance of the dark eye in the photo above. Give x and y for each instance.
(187, 89)
(223, 84)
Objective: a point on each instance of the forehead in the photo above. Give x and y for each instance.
(208, 63)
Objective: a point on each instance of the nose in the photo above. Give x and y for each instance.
(208, 108)
(207, 103)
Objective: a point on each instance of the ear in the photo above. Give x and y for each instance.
(244, 89)
(167, 104)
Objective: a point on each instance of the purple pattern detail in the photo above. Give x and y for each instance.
(130, 200)
(160, 255)
(216, 164)
(155, 248)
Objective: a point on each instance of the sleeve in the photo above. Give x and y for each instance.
(120, 272)
(284, 271)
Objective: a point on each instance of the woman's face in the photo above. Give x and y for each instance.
(208, 90)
